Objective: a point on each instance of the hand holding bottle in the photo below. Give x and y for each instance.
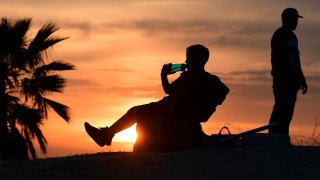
(172, 68)
(165, 69)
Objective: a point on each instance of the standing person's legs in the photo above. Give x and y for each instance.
(282, 110)
(275, 113)
(290, 101)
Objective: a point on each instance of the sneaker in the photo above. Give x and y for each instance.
(100, 135)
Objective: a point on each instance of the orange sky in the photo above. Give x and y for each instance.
(118, 48)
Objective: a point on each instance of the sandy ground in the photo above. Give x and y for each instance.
(286, 162)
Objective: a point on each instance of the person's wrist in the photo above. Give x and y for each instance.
(163, 74)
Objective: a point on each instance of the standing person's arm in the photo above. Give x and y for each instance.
(303, 82)
(294, 56)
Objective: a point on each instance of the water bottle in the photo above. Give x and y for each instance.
(177, 67)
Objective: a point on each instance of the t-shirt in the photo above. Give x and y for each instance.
(285, 58)
(197, 95)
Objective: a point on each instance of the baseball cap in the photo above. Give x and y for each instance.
(290, 13)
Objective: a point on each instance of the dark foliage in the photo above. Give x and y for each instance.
(26, 78)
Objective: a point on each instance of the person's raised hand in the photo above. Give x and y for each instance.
(166, 69)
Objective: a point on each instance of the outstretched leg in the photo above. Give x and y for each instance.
(126, 121)
(103, 136)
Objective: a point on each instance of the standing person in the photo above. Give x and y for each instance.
(287, 74)
(173, 123)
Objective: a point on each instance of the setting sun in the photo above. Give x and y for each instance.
(128, 135)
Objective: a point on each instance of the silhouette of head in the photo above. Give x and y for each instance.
(197, 57)
(290, 18)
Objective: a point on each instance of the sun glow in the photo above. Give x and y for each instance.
(128, 135)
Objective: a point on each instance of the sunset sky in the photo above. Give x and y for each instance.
(119, 47)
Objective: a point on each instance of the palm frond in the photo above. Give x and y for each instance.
(18, 33)
(13, 41)
(13, 35)
(28, 117)
(53, 83)
(41, 140)
(9, 100)
(39, 102)
(26, 89)
(11, 79)
(42, 41)
(19, 146)
(7, 106)
(53, 66)
(5, 27)
(18, 36)
(42, 85)
(60, 109)
(30, 144)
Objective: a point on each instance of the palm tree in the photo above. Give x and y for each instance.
(26, 78)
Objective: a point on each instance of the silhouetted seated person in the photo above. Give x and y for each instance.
(173, 123)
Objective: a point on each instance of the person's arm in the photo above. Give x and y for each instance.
(303, 83)
(164, 78)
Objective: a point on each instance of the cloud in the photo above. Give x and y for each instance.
(156, 26)
(121, 90)
(212, 32)
(82, 55)
(313, 79)
(135, 91)
(80, 83)
(126, 70)
(262, 77)
(242, 33)
(84, 26)
(249, 77)
(229, 32)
